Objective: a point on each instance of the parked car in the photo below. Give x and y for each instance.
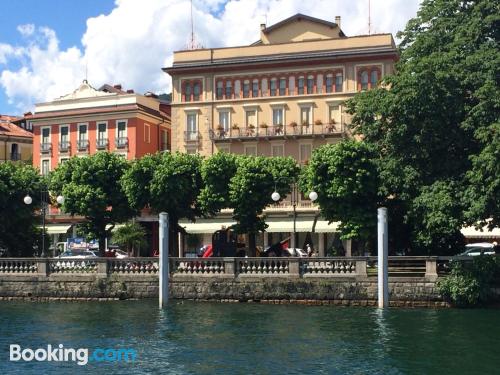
(297, 252)
(75, 258)
(475, 249)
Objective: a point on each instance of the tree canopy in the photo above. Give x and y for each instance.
(91, 188)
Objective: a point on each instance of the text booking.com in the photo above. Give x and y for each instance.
(81, 356)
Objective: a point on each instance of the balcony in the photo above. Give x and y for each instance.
(278, 131)
(102, 143)
(191, 136)
(121, 142)
(64, 146)
(45, 147)
(82, 145)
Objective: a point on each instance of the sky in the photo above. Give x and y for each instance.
(47, 47)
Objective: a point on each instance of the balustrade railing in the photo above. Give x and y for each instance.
(329, 266)
(62, 265)
(263, 266)
(133, 266)
(18, 266)
(198, 266)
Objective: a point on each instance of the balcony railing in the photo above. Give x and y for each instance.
(64, 146)
(191, 136)
(14, 156)
(277, 131)
(45, 147)
(121, 142)
(82, 144)
(102, 143)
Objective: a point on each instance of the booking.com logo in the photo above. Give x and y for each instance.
(61, 354)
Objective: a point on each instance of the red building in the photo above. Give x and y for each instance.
(90, 120)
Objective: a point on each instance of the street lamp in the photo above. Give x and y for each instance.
(44, 194)
(275, 196)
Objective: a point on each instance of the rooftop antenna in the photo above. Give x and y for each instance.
(192, 44)
(369, 18)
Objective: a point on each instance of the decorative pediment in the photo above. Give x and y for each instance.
(85, 90)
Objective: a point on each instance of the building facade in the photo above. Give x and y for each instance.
(283, 95)
(89, 120)
(16, 143)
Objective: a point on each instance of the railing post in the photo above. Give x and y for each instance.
(230, 267)
(102, 267)
(361, 268)
(431, 269)
(42, 266)
(294, 267)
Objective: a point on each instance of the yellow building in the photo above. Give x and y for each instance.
(280, 96)
(16, 143)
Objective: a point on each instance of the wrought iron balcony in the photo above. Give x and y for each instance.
(45, 147)
(121, 142)
(82, 145)
(102, 143)
(64, 146)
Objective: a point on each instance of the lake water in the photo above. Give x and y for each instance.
(237, 338)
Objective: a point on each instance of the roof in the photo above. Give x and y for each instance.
(7, 128)
(299, 17)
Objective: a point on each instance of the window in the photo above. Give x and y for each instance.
(45, 135)
(282, 86)
(121, 129)
(277, 150)
(339, 82)
(63, 160)
(310, 84)
(219, 89)
(82, 132)
(191, 127)
(251, 150)
(147, 133)
(373, 78)
(237, 89)
(273, 87)
(329, 83)
(229, 89)
(300, 86)
(187, 92)
(64, 134)
(246, 89)
(305, 116)
(278, 116)
(196, 91)
(335, 114)
(250, 118)
(255, 88)
(101, 132)
(224, 148)
(164, 140)
(305, 153)
(45, 168)
(364, 80)
(224, 120)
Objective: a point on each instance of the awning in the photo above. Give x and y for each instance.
(206, 225)
(56, 228)
(301, 225)
(471, 232)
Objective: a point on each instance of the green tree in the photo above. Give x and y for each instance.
(91, 188)
(345, 177)
(434, 123)
(131, 236)
(18, 221)
(165, 182)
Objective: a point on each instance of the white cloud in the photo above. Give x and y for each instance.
(27, 29)
(131, 44)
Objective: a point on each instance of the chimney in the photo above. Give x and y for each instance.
(262, 26)
(337, 21)
(130, 91)
(118, 87)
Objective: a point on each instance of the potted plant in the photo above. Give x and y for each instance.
(220, 127)
(235, 126)
(293, 124)
(251, 126)
(318, 122)
(305, 123)
(332, 121)
(263, 125)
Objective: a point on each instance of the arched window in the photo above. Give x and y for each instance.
(255, 88)
(339, 82)
(329, 83)
(246, 89)
(364, 80)
(374, 78)
(196, 91)
(310, 84)
(282, 86)
(219, 89)
(187, 92)
(272, 87)
(229, 89)
(300, 85)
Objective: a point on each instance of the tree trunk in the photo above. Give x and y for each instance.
(102, 244)
(251, 244)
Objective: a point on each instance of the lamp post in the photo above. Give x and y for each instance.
(275, 196)
(44, 200)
